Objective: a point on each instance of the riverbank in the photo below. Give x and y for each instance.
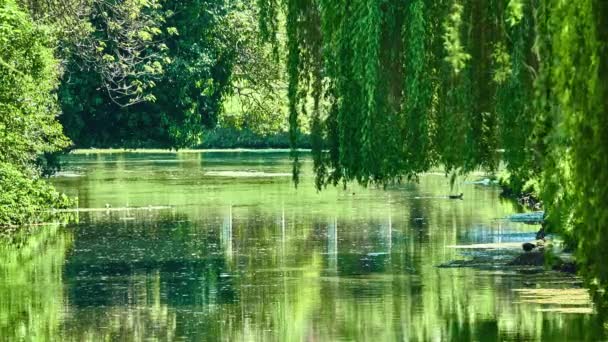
(229, 137)
(173, 151)
(221, 138)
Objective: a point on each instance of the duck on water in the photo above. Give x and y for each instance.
(540, 240)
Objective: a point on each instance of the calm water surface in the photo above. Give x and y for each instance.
(241, 255)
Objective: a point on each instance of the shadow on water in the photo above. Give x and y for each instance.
(243, 259)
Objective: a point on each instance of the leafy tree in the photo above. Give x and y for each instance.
(185, 89)
(28, 113)
(119, 41)
(207, 51)
(257, 94)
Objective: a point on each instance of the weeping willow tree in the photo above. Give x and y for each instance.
(394, 88)
(575, 118)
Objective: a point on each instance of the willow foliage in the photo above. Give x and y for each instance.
(389, 86)
(515, 90)
(575, 178)
(417, 90)
(402, 86)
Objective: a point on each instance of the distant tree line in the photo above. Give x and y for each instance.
(133, 73)
(161, 72)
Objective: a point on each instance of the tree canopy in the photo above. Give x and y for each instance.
(180, 90)
(167, 81)
(28, 112)
(394, 88)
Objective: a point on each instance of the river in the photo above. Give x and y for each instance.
(222, 247)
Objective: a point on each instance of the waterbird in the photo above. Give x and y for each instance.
(528, 246)
(540, 235)
(456, 196)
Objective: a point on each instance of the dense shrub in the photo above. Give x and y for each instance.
(29, 75)
(247, 138)
(26, 199)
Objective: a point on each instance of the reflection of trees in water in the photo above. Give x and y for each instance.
(123, 271)
(145, 277)
(31, 286)
(146, 316)
(249, 273)
(399, 295)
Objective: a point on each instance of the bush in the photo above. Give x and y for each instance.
(29, 75)
(26, 199)
(228, 137)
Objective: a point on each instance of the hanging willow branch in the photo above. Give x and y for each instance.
(401, 87)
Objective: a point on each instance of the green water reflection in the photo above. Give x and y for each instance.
(32, 294)
(242, 256)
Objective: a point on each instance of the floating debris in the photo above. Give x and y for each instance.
(481, 263)
(485, 181)
(572, 298)
(533, 217)
(244, 174)
(497, 245)
(377, 253)
(90, 210)
(67, 174)
(567, 310)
